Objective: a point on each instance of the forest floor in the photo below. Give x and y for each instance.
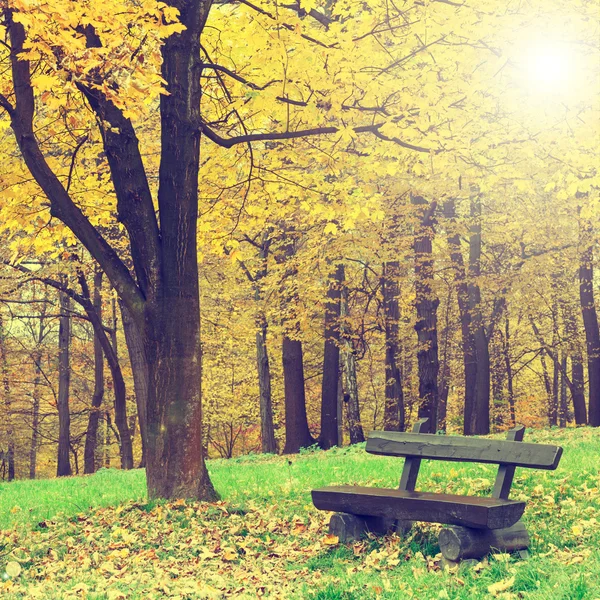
(96, 537)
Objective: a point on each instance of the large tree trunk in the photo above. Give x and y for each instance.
(297, 433)
(393, 414)
(64, 381)
(139, 369)
(480, 419)
(468, 341)
(331, 363)
(590, 319)
(350, 381)
(426, 304)
(91, 436)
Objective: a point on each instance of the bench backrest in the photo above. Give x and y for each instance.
(508, 454)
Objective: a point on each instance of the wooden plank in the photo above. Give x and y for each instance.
(468, 511)
(506, 473)
(410, 472)
(463, 449)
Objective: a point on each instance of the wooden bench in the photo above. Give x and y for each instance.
(478, 523)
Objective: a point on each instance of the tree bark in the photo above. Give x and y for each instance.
(426, 304)
(394, 413)
(563, 411)
(91, 437)
(267, 429)
(297, 433)
(578, 394)
(64, 381)
(120, 392)
(509, 372)
(468, 341)
(35, 413)
(331, 362)
(10, 439)
(350, 381)
(263, 367)
(139, 369)
(480, 419)
(577, 377)
(590, 319)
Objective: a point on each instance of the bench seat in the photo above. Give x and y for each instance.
(468, 511)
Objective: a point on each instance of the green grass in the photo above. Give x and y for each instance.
(267, 516)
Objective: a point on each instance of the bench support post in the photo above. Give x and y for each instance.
(349, 528)
(461, 543)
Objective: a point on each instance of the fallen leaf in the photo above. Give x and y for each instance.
(501, 586)
(331, 540)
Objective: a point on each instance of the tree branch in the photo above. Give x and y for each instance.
(290, 135)
(61, 203)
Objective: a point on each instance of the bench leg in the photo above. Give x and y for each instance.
(460, 543)
(350, 528)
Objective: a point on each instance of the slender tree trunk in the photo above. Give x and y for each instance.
(10, 451)
(340, 410)
(107, 427)
(578, 394)
(468, 341)
(64, 382)
(139, 369)
(350, 381)
(394, 414)
(590, 319)
(577, 389)
(331, 362)
(35, 413)
(553, 413)
(297, 433)
(91, 437)
(267, 429)
(426, 304)
(481, 411)
(509, 371)
(563, 412)
(120, 392)
(444, 375)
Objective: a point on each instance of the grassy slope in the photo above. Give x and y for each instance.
(276, 546)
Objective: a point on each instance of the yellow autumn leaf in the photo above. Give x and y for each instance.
(501, 586)
(576, 530)
(229, 555)
(308, 5)
(331, 540)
